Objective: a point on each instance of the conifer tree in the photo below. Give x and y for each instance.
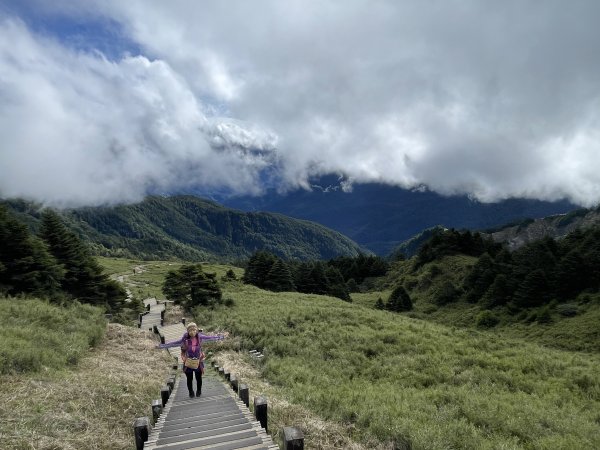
(258, 268)
(498, 293)
(446, 293)
(279, 278)
(191, 286)
(533, 291)
(302, 277)
(336, 285)
(570, 275)
(399, 300)
(84, 279)
(480, 278)
(26, 266)
(318, 280)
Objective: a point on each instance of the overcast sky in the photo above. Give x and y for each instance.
(103, 101)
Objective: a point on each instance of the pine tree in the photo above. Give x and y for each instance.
(336, 285)
(399, 300)
(174, 287)
(570, 275)
(533, 291)
(446, 293)
(318, 280)
(279, 278)
(480, 278)
(26, 266)
(84, 279)
(302, 277)
(498, 293)
(258, 268)
(191, 286)
(204, 289)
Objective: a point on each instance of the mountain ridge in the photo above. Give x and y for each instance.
(380, 217)
(191, 228)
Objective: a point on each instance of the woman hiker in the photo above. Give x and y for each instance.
(192, 355)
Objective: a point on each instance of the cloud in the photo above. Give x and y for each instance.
(494, 100)
(79, 129)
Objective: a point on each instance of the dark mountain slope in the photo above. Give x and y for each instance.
(380, 217)
(191, 228)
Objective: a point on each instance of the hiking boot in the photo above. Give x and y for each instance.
(199, 393)
(191, 394)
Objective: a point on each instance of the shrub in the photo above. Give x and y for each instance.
(399, 300)
(446, 293)
(544, 315)
(487, 319)
(567, 310)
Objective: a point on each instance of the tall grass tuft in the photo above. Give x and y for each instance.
(36, 335)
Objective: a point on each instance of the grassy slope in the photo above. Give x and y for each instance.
(67, 333)
(394, 378)
(580, 333)
(403, 379)
(86, 385)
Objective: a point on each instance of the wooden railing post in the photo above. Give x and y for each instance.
(141, 429)
(227, 375)
(183, 320)
(156, 409)
(293, 438)
(171, 382)
(233, 381)
(260, 411)
(165, 393)
(244, 394)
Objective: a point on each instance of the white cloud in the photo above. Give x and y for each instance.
(79, 129)
(492, 99)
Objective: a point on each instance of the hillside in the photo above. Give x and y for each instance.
(379, 217)
(518, 234)
(412, 383)
(193, 229)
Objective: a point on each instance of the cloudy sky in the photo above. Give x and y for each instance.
(103, 101)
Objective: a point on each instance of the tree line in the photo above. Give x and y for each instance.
(337, 277)
(53, 264)
(534, 275)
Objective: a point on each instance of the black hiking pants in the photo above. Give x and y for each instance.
(190, 377)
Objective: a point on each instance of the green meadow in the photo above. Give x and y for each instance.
(63, 334)
(402, 380)
(413, 382)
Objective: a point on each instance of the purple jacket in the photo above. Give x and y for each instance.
(185, 342)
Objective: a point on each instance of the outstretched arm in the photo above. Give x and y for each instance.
(171, 344)
(206, 337)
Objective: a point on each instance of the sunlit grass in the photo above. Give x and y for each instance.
(393, 378)
(406, 380)
(88, 406)
(35, 334)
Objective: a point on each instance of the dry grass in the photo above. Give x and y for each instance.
(318, 433)
(91, 406)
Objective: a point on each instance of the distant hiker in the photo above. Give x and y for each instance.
(192, 355)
